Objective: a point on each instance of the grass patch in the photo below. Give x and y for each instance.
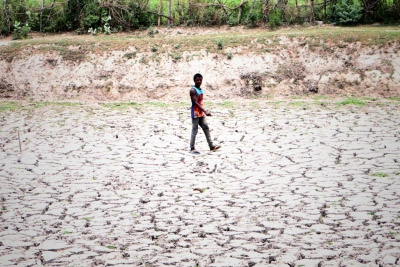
(9, 106)
(120, 105)
(297, 103)
(351, 101)
(395, 98)
(86, 219)
(380, 174)
(227, 104)
(157, 104)
(321, 97)
(42, 104)
(111, 247)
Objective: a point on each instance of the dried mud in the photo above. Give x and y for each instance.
(293, 185)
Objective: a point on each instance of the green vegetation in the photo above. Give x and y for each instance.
(227, 104)
(47, 103)
(107, 17)
(380, 174)
(347, 13)
(111, 247)
(8, 106)
(351, 101)
(297, 103)
(120, 105)
(395, 98)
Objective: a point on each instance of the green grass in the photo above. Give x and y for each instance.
(157, 104)
(9, 106)
(380, 174)
(351, 101)
(395, 98)
(86, 219)
(121, 105)
(42, 104)
(227, 104)
(111, 247)
(297, 103)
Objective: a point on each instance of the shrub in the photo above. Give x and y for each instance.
(20, 32)
(251, 19)
(150, 32)
(275, 18)
(347, 13)
(92, 31)
(220, 45)
(105, 19)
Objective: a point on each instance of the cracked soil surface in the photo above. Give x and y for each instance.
(293, 185)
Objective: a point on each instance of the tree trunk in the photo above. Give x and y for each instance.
(369, 6)
(240, 12)
(41, 16)
(159, 12)
(325, 10)
(298, 11)
(169, 12)
(284, 7)
(266, 11)
(312, 16)
(7, 14)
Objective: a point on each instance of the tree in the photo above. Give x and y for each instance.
(369, 6)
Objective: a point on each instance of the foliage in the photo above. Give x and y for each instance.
(275, 18)
(251, 19)
(220, 45)
(347, 13)
(20, 32)
(351, 101)
(105, 19)
(103, 16)
(92, 31)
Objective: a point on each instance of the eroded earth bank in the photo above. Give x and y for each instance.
(235, 62)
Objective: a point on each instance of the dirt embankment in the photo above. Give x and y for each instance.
(281, 65)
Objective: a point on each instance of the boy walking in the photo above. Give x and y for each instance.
(198, 114)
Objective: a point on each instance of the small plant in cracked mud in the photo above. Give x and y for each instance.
(220, 45)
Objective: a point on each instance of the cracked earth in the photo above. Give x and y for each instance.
(293, 185)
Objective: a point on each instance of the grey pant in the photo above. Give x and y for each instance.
(195, 126)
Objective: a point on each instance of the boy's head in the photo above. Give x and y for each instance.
(198, 79)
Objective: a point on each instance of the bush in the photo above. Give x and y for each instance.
(20, 32)
(347, 13)
(275, 18)
(251, 19)
(220, 45)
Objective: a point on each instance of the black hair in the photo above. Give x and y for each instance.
(197, 75)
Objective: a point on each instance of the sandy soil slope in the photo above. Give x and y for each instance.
(278, 66)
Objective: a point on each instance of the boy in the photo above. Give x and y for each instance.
(198, 114)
